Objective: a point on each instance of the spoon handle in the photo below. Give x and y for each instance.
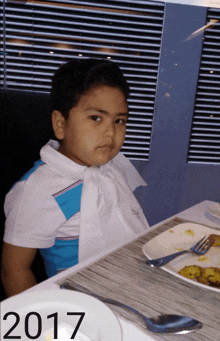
(160, 324)
(74, 286)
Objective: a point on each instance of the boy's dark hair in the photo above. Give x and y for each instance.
(76, 77)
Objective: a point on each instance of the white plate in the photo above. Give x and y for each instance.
(215, 210)
(176, 238)
(98, 324)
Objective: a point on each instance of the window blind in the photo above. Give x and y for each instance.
(1, 45)
(204, 144)
(41, 35)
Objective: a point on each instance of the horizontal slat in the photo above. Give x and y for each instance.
(140, 120)
(208, 154)
(195, 143)
(205, 146)
(206, 118)
(205, 129)
(214, 125)
(203, 161)
(145, 122)
(141, 140)
(144, 129)
(210, 106)
(207, 94)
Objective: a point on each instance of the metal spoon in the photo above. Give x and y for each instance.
(176, 324)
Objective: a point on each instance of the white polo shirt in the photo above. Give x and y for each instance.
(43, 208)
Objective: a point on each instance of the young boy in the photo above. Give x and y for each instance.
(77, 200)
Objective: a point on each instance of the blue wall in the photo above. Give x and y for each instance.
(174, 184)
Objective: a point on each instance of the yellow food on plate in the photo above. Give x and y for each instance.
(190, 233)
(216, 239)
(212, 275)
(202, 280)
(171, 231)
(209, 276)
(209, 272)
(203, 259)
(216, 243)
(191, 271)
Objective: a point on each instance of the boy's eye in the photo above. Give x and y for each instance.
(121, 121)
(96, 118)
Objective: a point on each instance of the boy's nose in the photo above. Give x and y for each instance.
(110, 129)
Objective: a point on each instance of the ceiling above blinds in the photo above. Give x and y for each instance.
(205, 135)
(41, 35)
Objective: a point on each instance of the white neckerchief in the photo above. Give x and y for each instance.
(110, 215)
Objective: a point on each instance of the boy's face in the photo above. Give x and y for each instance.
(95, 130)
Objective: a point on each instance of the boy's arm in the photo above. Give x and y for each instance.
(16, 271)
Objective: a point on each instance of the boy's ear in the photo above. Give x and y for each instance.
(58, 124)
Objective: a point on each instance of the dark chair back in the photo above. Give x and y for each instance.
(25, 128)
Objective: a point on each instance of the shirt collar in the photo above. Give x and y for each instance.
(59, 162)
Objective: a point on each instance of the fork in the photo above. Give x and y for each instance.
(200, 248)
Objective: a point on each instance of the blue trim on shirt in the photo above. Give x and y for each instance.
(32, 170)
(61, 256)
(29, 172)
(69, 201)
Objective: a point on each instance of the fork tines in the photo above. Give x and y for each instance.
(203, 245)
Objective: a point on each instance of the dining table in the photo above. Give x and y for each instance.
(123, 275)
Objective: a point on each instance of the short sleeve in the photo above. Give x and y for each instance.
(32, 216)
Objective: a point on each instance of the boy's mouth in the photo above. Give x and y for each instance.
(107, 146)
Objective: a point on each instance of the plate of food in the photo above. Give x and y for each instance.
(48, 315)
(200, 270)
(215, 210)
